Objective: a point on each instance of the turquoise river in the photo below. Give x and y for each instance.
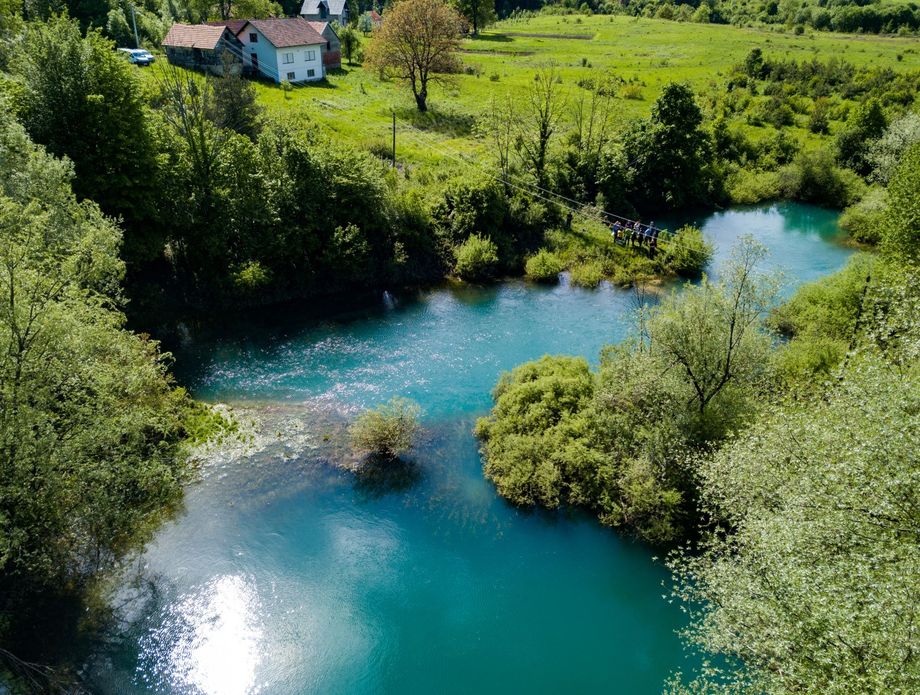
(286, 573)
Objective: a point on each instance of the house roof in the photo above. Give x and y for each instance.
(375, 15)
(234, 25)
(194, 36)
(336, 7)
(320, 27)
(286, 31)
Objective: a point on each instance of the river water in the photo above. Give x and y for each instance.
(286, 573)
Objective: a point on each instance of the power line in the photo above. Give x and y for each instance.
(609, 215)
(671, 241)
(526, 188)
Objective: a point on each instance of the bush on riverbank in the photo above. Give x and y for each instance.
(476, 258)
(618, 441)
(587, 274)
(863, 220)
(91, 426)
(808, 576)
(387, 431)
(589, 251)
(543, 266)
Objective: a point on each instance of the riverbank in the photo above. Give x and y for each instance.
(313, 578)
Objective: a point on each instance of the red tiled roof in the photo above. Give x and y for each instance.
(318, 27)
(234, 25)
(194, 36)
(375, 16)
(287, 31)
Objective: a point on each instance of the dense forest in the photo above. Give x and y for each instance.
(769, 447)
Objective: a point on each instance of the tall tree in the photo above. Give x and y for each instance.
(82, 101)
(234, 104)
(417, 43)
(667, 155)
(815, 590)
(865, 125)
(350, 42)
(90, 426)
(543, 111)
(500, 126)
(479, 13)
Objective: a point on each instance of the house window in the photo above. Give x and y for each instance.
(328, 46)
(253, 37)
(288, 58)
(291, 77)
(311, 72)
(311, 55)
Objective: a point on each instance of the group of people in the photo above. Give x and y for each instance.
(635, 234)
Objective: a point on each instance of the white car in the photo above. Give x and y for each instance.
(138, 56)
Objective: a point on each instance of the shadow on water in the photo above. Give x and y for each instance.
(378, 476)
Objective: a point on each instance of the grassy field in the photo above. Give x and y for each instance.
(357, 106)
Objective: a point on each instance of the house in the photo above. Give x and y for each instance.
(234, 25)
(376, 19)
(325, 11)
(284, 49)
(203, 47)
(332, 51)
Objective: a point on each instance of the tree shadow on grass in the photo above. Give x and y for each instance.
(501, 38)
(378, 476)
(315, 84)
(454, 123)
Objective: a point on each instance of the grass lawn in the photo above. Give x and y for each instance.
(356, 106)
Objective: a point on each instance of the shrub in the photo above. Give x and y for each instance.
(774, 111)
(863, 220)
(814, 178)
(687, 253)
(387, 431)
(746, 187)
(543, 266)
(529, 440)
(631, 91)
(827, 307)
(902, 224)
(587, 274)
(476, 258)
(804, 361)
(819, 122)
(251, 276)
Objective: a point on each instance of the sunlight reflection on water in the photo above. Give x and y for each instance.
(211, 642)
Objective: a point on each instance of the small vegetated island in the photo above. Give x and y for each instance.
(773, 444)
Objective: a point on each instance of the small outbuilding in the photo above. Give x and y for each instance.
(203, 47)
(332, 51)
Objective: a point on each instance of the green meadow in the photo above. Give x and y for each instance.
(356, 105)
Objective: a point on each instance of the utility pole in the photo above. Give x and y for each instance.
(137, 41)
(394, 139)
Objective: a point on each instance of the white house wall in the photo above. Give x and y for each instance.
(302, 64)
(271, 59)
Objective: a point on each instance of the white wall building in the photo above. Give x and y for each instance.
(283, 49)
